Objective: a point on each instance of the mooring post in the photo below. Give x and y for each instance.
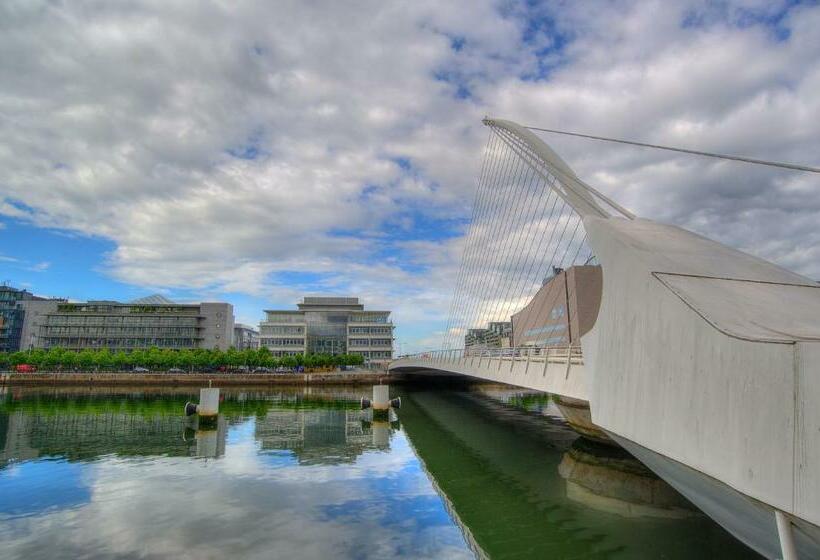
(381, 401)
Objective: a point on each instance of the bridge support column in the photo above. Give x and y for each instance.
(784, 532)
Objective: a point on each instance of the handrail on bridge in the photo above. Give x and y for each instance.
(532, 353)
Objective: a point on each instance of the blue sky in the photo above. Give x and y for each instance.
(260, 154)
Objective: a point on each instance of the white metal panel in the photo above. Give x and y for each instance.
(663, 377)
(762, 311)
(807, 433)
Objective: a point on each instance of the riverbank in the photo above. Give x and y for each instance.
(220, 379)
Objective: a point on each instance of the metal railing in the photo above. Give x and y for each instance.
(561, 354)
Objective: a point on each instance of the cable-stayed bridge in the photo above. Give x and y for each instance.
(701, 360)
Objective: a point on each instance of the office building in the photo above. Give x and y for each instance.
(563, 309)
(245, 337)
(12, 316)
(144, 323)
(496, 335)
(329, 325)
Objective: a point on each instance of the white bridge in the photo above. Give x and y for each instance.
(558, 370)
(701, 360)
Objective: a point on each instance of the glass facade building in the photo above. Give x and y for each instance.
(245, 337)
(12, 316)
(496, 335)
(128, 326)
(328, 325)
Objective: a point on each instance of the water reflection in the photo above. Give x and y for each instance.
(522, 485)
(489, 471)
(292, 474)
(608, 479)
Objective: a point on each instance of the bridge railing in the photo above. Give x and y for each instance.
(562, 354)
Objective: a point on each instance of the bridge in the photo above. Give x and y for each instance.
(700, 360)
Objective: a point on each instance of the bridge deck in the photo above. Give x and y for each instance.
(553, 370)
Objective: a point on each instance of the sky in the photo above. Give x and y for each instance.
(257, 152)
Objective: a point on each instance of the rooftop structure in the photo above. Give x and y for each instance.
(328, 325)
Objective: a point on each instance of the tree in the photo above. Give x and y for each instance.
(119, 361)
(185, 359)
(202, 359)
(68, 359)
(103, 359)
(18, 358)
(85, 359)
(138, 358)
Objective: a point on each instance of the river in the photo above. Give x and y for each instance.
(480, 471)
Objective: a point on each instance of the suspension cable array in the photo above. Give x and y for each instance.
(527, 224)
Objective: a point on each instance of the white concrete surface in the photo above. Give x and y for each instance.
(553, 374)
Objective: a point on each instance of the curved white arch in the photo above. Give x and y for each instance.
(584, 199)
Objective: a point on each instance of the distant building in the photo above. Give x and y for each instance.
(563, 309)
(245, 337)
(144, 323)
(12, 316)
(328, 325)
(496, 335)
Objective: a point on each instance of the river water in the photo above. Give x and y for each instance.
(479, 471)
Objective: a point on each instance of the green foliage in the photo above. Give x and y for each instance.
(156, 359)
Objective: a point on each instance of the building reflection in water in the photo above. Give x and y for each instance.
(314, 430)
(323, 436)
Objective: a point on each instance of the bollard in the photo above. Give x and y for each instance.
(381, 401)
(208, 407)
(208, 402)
(381, 397)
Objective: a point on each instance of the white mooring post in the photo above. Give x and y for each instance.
(208, 402)
(381, 397)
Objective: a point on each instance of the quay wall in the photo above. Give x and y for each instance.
(200, 379)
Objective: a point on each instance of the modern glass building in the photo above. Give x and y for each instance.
(328, 325)
(140, 324)
(12, 316)
(245, 337)
(496, 335)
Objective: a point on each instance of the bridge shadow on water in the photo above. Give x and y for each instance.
(522, 484)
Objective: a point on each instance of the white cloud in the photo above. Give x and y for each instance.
(125, 123)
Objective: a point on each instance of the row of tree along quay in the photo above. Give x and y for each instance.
(185, 360)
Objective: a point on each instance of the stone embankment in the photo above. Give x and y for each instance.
(358, 377)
